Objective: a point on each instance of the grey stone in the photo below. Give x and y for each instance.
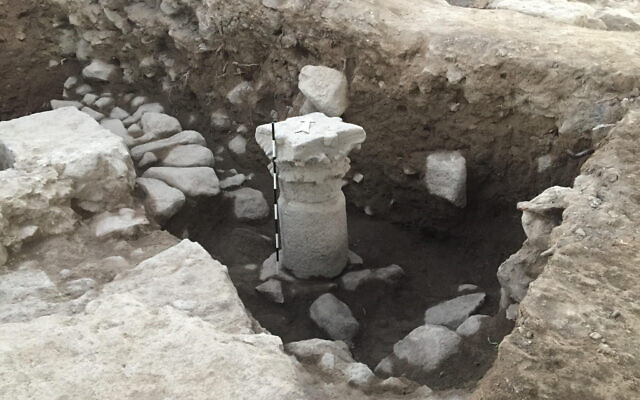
(143, 109)
(233, 181)
(193, 181)
(238, 145)
(355, 259)
(184, 137)
(125, 222)
(220, 120)
(472, 325)
(188, 155)
(452, 313)
(389, 275)
(118, 113)
(162, 201)
(147, 160)
(334, 317)
(467, 287)
(116, 127)
(446, 176)
(359, 374)
(70, 82)
(92, 113)
(83, 89)
(352, 280)
(242, 93)
(157, 125)
(272, 290)
(512, 311)
(138, 101)
(104, 102)
(55, 104)
(325, 88)
(101, 71)
(249, 204)
(270, 269)
(313, 349)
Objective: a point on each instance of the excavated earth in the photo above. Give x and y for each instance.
(532, 98)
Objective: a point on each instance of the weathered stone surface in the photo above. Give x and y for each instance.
(334, 317)
(313, 349)
(147, 160)
(92, 113)
(162, 201)
(243, 93)
(249, 204)
(452, 313)
(194, 181)
(125, 222)
(156, 125)
(220, 120)
(270, 269)
(359, 374)
(118, 113)
(116, 127)
(446, 176)
(100, 71)
(23, 295)
(143, 109)
(272, 290)
(472, 325)
(188, 155)
(325, 88)
(238, 145)
(55, 104)
(184, 137)
(233, 181)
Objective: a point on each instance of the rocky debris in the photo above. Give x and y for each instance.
(238, 145)
(446, 176)
(156, 125)
(472, 325)
(421, 352)
(143, 109)
(359, 374)
(193, 181)
(269, 269)
(188, 155)
(116, 127)
(92, 113)
(232, 181)
(389, 275)
(118, 113)
(467, 288)
(57, 156)
(314, 224)
(243, 93)
(249, 204)
(355, 259)
(272, 290)
(220, 121)
(100, 71)
(147, 160)
(325, 88)
(334, 317)
(184, 137)
(358, 177)
(452, 313)
(55, 104)
(78, 287)
(125, 222)
(162, 201)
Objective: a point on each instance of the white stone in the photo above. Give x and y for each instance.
(55, 104)
(242, 93)
(249, 204)
(472, 325)
(193, 181)
(170, 7)
(23, 295)
(184, 137)
(467, 287)
(162, 201)
(313, 349)
(188, 155)
(135, 130)
(232, 181)
(125, 222)
(544, 162)
(446, 176)
(147, 160)
(89, 99)
(116, 127)
(159, 126)
(220, 120)
(143, 109)
(327, 362)
(272, 290)
(70, 82)
(358, 177)
(83, 89)
(359, 374)
(422, 351)
(512, 311)
(238, 145)
(390, 275)
(118, 113)
(104, 102)
(92, 113)
(334, 317)
(101, 71)
(326, 88)
(352, 280)
(270, 269)
(138, 101)
(78, 287)
(452, 313)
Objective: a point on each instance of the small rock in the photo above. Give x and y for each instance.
(544, 162)
(119, 113)
(358, 374)
(220, 120)
(138, 101)
(614, 314)
(159, 126)
(272, 290)
(162, 201)
(232, 181)
(78, 287)
(193, 181)
(327, 362)
(354, 259)
(595, 336)
(188, 155)
(124, 222)
(147, 160)
(452, 313)
(472, 325)
(101, 71)
(55, 104)
(446, 176)
(83, 89)
(134, 130)
(143, 109)
(334, 317)
(89, 99)
(70, 82)
(352, 280)
(326, 89)
(64, 273)
(249, 204)
(116, 127)
(512, 311)
(467, 288)
(312, 349)
(242, 129)
(270, 270)
(242, 93)
(238, 145)
(104, 102)
(92, 113)
(358, 177)
(390, 275)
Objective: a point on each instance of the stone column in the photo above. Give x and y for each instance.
(312, 161)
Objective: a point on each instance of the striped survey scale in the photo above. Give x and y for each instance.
(275, 194)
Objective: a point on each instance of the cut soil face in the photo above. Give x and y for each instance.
(434, 267)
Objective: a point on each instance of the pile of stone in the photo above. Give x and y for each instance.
(173, 163)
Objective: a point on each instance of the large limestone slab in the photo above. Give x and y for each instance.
(195, 181)
(334, 317)
(326, 88)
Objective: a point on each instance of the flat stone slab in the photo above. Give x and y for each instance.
(188, 155)
(162, 201)
(452, 313)
(194, 181)
(446, 176)
(182, 138)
